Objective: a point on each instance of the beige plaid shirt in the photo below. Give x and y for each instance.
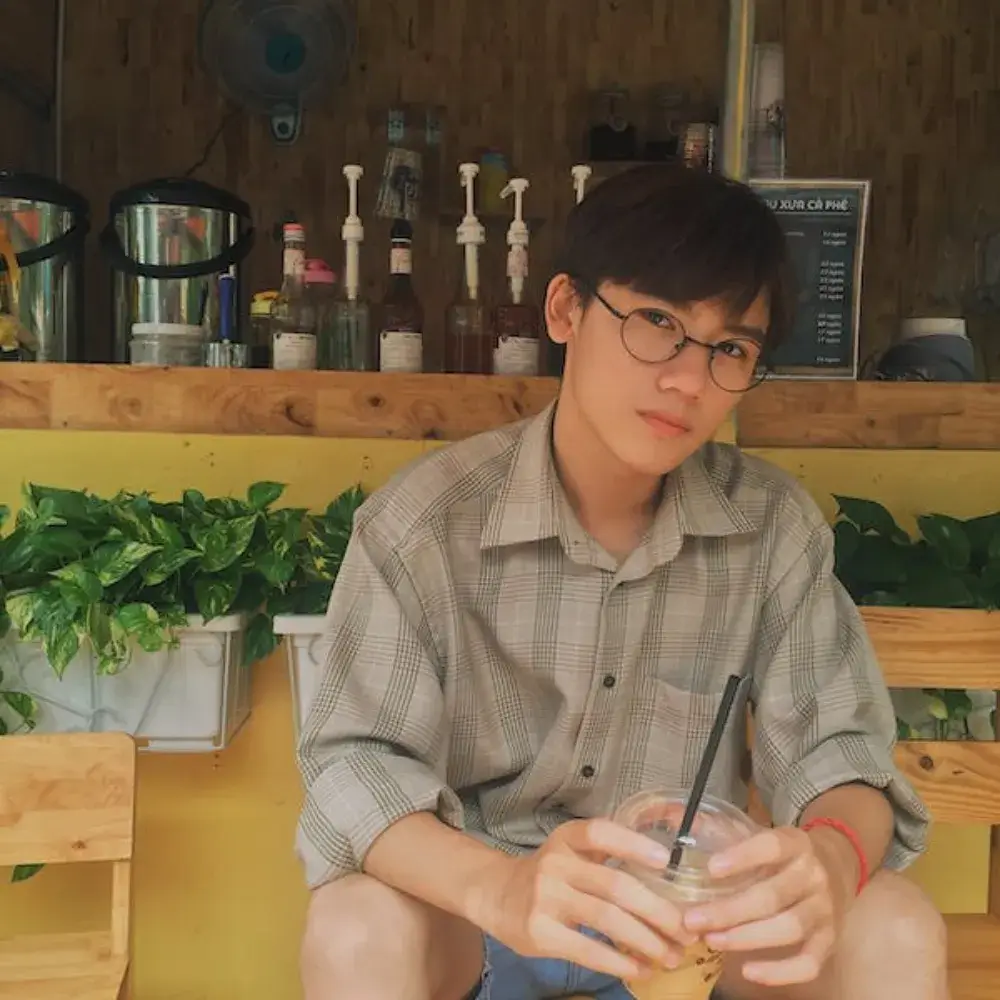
(493, 664)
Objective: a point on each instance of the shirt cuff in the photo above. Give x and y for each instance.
(850, 759)
(355, 800)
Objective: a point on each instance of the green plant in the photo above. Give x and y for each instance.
(952, 563)
(130, 569)
(17, 710)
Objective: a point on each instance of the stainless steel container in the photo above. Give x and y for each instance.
(167, 242)
(46, 223)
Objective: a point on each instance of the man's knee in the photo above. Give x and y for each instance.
(364, 939)
(894, 916)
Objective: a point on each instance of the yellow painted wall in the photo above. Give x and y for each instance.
(218, 894)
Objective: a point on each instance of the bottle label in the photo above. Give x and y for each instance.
(293, 261)
(294, 351)
(401, 351)
(401, 260)
(517, 262)
(516, 356)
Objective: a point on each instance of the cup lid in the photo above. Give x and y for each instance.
(318, 272)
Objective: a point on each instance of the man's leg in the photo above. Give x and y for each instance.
(892, 947)
(366, 941)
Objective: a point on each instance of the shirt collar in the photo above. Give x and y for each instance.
(532, 506)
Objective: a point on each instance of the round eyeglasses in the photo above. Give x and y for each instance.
(654, 336)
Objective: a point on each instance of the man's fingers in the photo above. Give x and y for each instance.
(783, 930)
(766, 849)
(628, 932)
(611, 840)
(761, 900)
(804, 967)
(572, 946)
(634, 896)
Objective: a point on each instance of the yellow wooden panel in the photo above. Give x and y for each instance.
(66, 798)
(959, 781)
(936, 647)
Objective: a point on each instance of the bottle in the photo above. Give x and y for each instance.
(352, 347)
(517, 321)
(468, 345)
(319, 293)
(260, 329)
(401, 341)
(293, 338)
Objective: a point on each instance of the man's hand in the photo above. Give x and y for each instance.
(805, 882)
(536, 904)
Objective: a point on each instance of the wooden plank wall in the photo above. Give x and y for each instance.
(873, 91)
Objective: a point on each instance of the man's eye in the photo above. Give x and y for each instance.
(733, 349)
(662, 320)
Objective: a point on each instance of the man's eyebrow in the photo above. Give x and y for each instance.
(742, 330)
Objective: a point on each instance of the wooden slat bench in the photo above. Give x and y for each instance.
(959, 781)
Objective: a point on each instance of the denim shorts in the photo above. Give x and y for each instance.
(509, 976)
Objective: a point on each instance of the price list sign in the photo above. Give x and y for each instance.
(825, 222)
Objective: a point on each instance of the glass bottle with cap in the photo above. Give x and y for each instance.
(320, 296)
(294, 337)
(259, 340)
(401, 341)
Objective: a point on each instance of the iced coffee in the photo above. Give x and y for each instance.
(717, 826)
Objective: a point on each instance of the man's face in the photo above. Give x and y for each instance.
(654, 410)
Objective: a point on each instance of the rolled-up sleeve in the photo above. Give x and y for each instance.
(371, 750)
(823, 716)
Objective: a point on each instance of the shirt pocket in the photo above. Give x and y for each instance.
(681, 724)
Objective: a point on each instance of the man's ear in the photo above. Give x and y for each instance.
(562, 309)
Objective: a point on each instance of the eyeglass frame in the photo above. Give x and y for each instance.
(686, 339)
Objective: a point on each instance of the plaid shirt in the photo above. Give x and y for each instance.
(491, 663)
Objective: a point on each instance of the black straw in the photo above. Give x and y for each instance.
(682, 839)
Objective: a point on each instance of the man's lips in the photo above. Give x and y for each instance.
(665, 424)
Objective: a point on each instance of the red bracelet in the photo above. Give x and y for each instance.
(855, 841)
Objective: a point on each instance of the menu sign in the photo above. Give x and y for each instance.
(825, 223)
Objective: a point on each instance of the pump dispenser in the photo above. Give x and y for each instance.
(351, 347)
(468, 338)
(517, 321)
(581, 174)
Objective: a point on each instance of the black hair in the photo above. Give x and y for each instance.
(683, 236)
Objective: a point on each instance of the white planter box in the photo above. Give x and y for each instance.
(190, 699)
(306, 648)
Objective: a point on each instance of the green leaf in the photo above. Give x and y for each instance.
(276, 570)
(194, 502)
(948, 538)
(846, 541)
(904, 731)
(4, 514)
(78, 585)
(61, 644)
(260, 496)
(71, 505)
(958, 704)
(225, 542)
(937, 591)
(165, 533)
(135, 617)
(259, 640)
(22, 705)
(162, 565)
(22, 873)
(58, 543)
(214, 595)
(870, 516)
(936, 708)
(21, 608)
(115, 561)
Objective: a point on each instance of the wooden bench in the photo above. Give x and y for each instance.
(64, 799)
(959, 780)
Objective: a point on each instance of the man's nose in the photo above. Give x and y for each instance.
(687, 371)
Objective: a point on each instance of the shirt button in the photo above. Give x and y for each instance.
(587, 771)
(609, 680)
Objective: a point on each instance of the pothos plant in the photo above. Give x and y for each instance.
(76, 568)
(951, 563)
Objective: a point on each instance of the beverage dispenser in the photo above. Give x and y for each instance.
(167, 242)
(43, 225)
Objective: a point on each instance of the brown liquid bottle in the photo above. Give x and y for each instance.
(469, 338)
(401, 340)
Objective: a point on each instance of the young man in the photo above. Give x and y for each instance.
(537, 622)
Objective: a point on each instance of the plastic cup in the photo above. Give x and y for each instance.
(717, 826)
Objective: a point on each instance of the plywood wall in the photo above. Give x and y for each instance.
(906, 93)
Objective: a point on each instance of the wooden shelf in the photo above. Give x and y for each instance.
(239, 401)
(842, 414)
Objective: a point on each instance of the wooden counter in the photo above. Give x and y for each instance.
(778, 414)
